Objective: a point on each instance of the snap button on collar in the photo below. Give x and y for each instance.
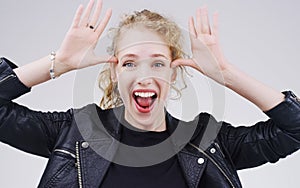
(85, 144)
(200, 161)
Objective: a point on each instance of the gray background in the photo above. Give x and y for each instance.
(260, 37)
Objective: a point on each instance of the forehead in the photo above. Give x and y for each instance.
(140, 40)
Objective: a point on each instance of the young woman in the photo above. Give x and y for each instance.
(133, 141)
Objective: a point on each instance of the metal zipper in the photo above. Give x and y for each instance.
(215, 163)
(7, 77)
(218, 146)
(78, 165)
(66, 152)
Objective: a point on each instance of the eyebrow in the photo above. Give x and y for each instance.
(129, 56)
(159, 55)
(136, 56)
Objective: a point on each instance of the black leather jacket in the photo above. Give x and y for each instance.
(73, 139)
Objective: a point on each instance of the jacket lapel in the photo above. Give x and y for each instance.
(192, 162)
(100, 132)
(95, 160)
(192, 166)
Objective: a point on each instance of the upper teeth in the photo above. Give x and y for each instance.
(144, 94)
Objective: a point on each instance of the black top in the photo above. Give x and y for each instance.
(164, 174)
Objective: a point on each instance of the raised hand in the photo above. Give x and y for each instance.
(209, 60)
(77, 49)
(207, 55)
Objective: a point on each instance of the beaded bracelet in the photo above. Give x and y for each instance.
(52, 58)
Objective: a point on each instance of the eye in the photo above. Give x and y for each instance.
(128, 64)
(158, 64)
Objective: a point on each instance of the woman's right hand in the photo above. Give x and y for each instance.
(77, 48)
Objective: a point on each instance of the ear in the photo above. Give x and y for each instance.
(113, 73)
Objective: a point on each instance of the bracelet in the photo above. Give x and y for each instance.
(52, 58)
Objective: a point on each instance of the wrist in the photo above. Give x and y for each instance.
(58, 66)
(225, 76)
(231, 75)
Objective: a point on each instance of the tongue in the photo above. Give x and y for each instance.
(144, 101)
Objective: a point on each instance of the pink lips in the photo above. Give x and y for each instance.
(144, 99)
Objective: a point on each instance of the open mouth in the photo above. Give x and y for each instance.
(144, 100)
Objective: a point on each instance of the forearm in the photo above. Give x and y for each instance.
(37, 72)
(34, 73)
(258, 93)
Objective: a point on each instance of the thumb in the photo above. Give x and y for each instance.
(107, 59)
(184, 62)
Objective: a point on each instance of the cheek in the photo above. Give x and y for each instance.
(125, 77)
(164, 87)
(125, 82)
(165, 80)
(164, 75)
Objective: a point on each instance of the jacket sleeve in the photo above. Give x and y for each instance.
(31, 131)
(266, 141)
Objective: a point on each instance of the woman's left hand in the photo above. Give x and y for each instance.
(207, 57)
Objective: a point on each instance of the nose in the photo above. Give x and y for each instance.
(145, 81)
(144, 75)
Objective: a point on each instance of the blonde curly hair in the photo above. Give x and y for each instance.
(166, 28)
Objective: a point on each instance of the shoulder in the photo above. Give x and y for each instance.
(93, 120)
(205, 128)
(208, 129)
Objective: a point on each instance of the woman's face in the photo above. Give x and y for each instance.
(144, 75)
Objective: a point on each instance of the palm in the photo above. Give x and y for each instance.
(77, 49)
(78, 46)
(207, 55)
